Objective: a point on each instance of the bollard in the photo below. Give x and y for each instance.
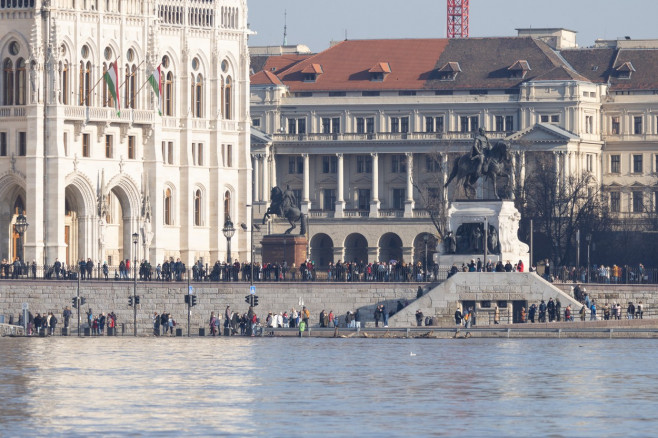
(65, 331)
(179, 332)
(202, 331)
(111, 331)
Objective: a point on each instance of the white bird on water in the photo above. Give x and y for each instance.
(411, 353)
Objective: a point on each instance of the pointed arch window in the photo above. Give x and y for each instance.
(197, 207)
(85, 83)
(129, 86)
(64, 82)
(197, 96)
(8, 80)
(227, 205)
(228, 99)
(167, 207)
(169, 94)
(20, 79)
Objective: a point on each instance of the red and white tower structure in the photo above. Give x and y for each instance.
(457, 18)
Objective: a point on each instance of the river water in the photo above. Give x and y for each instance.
(329, 387)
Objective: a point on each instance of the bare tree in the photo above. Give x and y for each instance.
(560, 206)
(432, 193)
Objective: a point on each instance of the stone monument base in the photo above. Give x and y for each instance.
(500, 216)
(278, 248)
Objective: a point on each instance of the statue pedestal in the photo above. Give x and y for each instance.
(277, 248)
(502, 216)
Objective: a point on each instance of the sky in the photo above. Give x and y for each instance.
(316, 23)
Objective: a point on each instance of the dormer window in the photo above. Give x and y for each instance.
(379, 71)
(311, 72)
(519, 69)
(625, 70)
(449, 71)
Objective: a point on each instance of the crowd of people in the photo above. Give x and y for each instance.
(490, 266)
(46, 323)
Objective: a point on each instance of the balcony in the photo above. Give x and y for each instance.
(381, 136)
(104, 115)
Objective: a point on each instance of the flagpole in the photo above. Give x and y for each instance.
(102, 77)
(146, 81)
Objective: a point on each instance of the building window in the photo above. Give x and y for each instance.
(468, 123)
(197, 96)
(365, 125)
(615, 202)
(399, 124)
(85, 83)
(167, 207)
(432, 164)
(329, 164)
(363, 164)
(229, 155)
(21, 85)
(434, 124)
(638, 202)
(168, 87)
(108, 146)
(295, 165)
(227, 205)
(131, 147)
(3, 144)
(614, 125)
(329, 199)
(197, 208)
(228, 99)
(297, 126)
(167, 151)
(550, 118)
(22, 144)
(398, 163)
(590, 162)
(130, 85)
(330, 125)
(364, 199)
(85, 145)
(398, 199)
(199, 148)
(504, 123)
(655, 202)
(64, 82)
(255, 122)
(637, 163)
(637, 125)
(615, 163)
(589, 124)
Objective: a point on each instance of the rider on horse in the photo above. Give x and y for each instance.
(480, 147)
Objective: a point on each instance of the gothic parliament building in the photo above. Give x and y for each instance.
(87, 175)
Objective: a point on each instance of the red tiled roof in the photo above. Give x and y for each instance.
(279, 64)
(264, 77)
(313, 69)
(346, 65)
(380, 67)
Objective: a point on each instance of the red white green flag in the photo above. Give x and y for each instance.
(156, 82)
(112, 79)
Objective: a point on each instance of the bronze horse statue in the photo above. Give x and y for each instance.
(284, 205)
(497, 162)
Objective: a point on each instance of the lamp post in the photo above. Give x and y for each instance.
(426, 237)
(588, 238)
(135, 242)
(21, 226)
(251, 238)
(229, 231)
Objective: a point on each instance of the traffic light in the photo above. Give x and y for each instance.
(82, 301)
(74, 300)
(255, 300)
(247, 299)
(193, 300)
(137, 299)
(130, 301)
(187, 298)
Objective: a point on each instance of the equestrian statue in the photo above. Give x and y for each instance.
(284, 204)
(484, 160)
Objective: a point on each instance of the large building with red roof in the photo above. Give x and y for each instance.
(354, 128)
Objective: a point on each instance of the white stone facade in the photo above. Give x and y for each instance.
(87, 177)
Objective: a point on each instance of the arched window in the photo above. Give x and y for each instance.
(169, 94)
(167, 207)
(85, 83)
(227, 205)
(129, 86)
(8, 80)
(197, 207)
(197, 96)
(20, 78)
(64, 82)
(228, 100)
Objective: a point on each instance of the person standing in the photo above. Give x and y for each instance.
(419, 318)
(639, 311)
(306, 315)
(630, 311)
(592, 314)
(156, 324)
(213, 324)
(558, 309)
(377, 315)
(52, 322)
(496, 315)
(458, 316)
(101, 321)
(90, 317)
(67, 316)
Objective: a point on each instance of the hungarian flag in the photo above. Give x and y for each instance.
(112, 78)
(156, 82)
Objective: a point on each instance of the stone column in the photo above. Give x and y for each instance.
(556, 157)
(306, 202)
(374, 201)
(265, 184)
(340, 200)
(270, 165)
(409, 202)
(408, 254)
(256, 179)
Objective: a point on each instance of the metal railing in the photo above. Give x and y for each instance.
(609, 275)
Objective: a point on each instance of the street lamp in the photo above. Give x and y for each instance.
(21, 226)
(588, 238)
(229, 231)
(135, 242)
(426, 237)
